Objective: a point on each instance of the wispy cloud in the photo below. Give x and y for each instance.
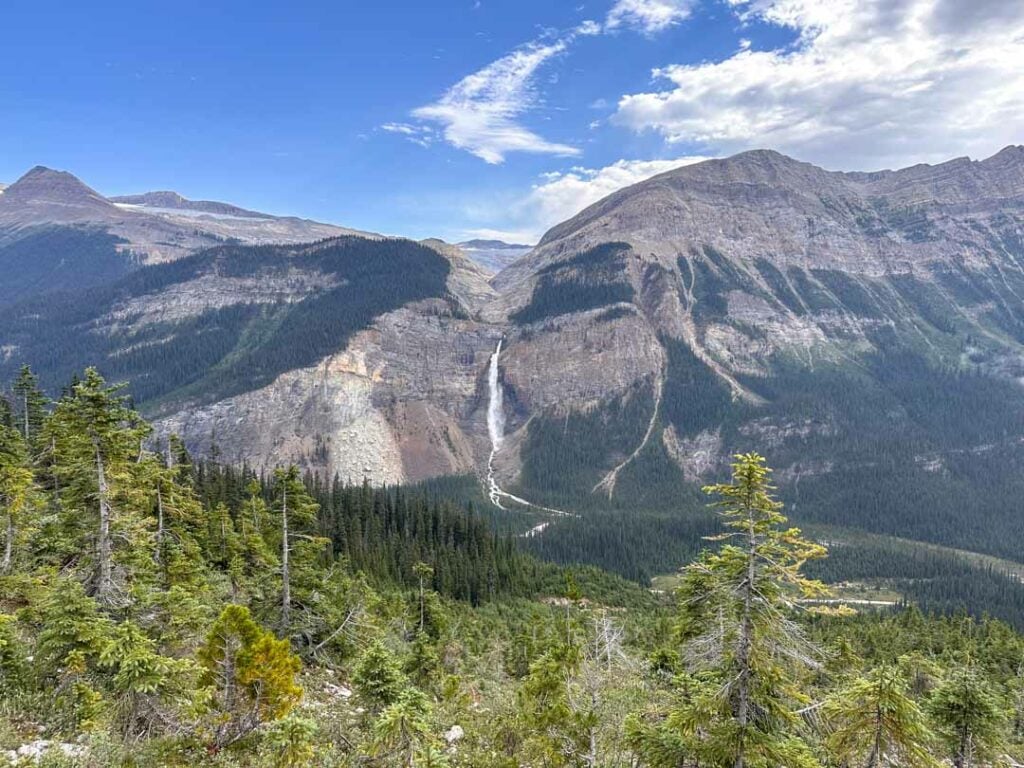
(648, 16)
(869, 83)
(482, 112)
(423, 135)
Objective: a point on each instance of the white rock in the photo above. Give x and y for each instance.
(454, 734)
(35, 750)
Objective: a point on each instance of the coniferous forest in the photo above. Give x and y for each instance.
(161, 610)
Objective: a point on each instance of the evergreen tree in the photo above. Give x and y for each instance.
(875, 723)
(99, 446)
(149, 688)
(252, 675)
(301, 549)
(291, 742)
(29, 405)
(403, 728)
(739, 635)
(378, 678)
(16, 485)
(970, 718)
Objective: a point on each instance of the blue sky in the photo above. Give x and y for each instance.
(480, 117)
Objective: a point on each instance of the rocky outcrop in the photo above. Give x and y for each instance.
(402, 402)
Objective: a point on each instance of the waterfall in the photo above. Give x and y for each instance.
(495, 425)
(496, 431)
(495, 411)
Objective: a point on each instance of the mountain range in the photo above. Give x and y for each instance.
(58, 233)
(865, 331)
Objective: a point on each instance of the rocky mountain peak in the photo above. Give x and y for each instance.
(46, 185)
(163, 198)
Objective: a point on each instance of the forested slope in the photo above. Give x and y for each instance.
(157, 610)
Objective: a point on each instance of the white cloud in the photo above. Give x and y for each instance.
(418, 134)
(481, 112)
(561, 195)
(869, 83)
(648, 16)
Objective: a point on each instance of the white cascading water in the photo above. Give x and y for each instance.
(495, 411)
(495, 425)
(496, 431)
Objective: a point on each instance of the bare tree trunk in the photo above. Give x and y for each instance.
(159, 525)
(105, 582)
(286, 590)
(422, 607)
(876, 751)
(590, 759)
(56, 478)
(24, 403)
(5, 567)
(746, 640)
(962, 758)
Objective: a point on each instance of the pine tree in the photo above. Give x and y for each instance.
(74, 633)
(291, 742)
(29, 405)
(970, 718)
(16, 492)
(99, 447)
(403, 728)
(739, 634)
(874, 723)
(300, 548)
(422, 571)
(13, 656)
(252, 675)
(378, 678)
(544, 700)
(148, 687)
(72, 627)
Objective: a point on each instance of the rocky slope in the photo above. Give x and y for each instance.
(865, 330)
(850, 325)
(56, 232)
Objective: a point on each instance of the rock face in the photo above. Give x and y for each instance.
(400, 403)
(716, 278)
(839, 322)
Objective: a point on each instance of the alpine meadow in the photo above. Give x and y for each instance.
(628, 384)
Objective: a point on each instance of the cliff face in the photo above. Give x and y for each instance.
(843, 323)
(866, 331)
(726, 274)
(403, 400)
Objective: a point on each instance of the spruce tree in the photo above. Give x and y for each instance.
(740, 637)
(301, 548)
(29, 405)
(970, 718)
(402, 731)
(873, 722)
(99, 446)
(378, 678)
(252, 675)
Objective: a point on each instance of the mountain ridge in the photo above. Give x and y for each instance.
(822, 317)
(56, 232)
